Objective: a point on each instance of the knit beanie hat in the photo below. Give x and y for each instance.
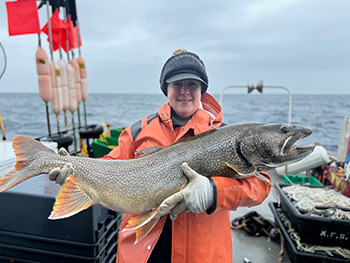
(183, 65)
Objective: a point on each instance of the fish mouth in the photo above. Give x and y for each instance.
(291, 150)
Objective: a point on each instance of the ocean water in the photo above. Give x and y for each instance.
(25, 114)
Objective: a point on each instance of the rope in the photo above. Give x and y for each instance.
(303, 247)
(256, 225)
(325, 202)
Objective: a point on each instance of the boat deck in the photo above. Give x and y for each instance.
(262, 249)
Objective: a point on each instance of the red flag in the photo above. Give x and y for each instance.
(73, 35)
(58, 31)
(22, 17)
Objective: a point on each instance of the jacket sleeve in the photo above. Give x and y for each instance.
(125, 149)
(232, 193)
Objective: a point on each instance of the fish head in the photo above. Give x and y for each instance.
(267, 146)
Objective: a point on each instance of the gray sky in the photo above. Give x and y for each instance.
(303, 45)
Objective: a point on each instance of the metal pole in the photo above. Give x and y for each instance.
(51, 52)
(226, 88)
(74, 137)
(78, 36)
(5, 61)
(290, 100)
(67, 34)
(273, 87)
(49, 26)
(85, 113)
(48, 118)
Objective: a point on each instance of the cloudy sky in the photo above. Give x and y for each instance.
(303, 45)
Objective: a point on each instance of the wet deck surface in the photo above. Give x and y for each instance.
(247, 248)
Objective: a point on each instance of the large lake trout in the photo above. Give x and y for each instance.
(138, 186)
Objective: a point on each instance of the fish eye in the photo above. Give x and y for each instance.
(284, 129)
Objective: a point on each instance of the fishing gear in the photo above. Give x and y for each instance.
(325, 202)
(306, 247)
(1, 74)
(44, 79)
(59, 74)
(257, 225)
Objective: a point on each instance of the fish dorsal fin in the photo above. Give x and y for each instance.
(148, 151)
(153, 149)
(198, 136)
(70, 200)
(244, 169)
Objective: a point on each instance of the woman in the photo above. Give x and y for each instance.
(200, 228)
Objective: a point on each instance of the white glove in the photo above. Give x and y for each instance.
(60, 175)
(196, 197)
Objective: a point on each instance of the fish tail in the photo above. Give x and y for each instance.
(26, 150)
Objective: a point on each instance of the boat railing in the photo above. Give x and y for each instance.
(260, 87)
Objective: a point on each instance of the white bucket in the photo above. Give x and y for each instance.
(318, 157)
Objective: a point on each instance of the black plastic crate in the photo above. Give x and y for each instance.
(26, 207)
(4, 259)
(314, 229)
(62, 246)
(111, 259)
(24, 254)
(298, 256)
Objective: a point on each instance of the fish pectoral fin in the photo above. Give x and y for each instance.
(138, 221)
(242, 169)
(257, 174)
(70, 200)
(247, 171)
(142, 224)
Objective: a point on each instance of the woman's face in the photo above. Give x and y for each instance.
(184, 97)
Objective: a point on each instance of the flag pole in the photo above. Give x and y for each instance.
(51, 55)
(79, 51)
(68, 62)
(46, 103)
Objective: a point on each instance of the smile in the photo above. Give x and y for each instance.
(184, 100)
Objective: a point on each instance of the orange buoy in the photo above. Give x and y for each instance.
(84, 89)
(75, 66)
(45, 87)
(83, 80)
(44, 78)
(72, 92)
(64, 84)
(82, 67)
(56, 101)
(42, 62)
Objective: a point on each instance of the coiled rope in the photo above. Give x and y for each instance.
(309, 248)
(319, 201)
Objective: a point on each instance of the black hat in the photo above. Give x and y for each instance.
(183, 65)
